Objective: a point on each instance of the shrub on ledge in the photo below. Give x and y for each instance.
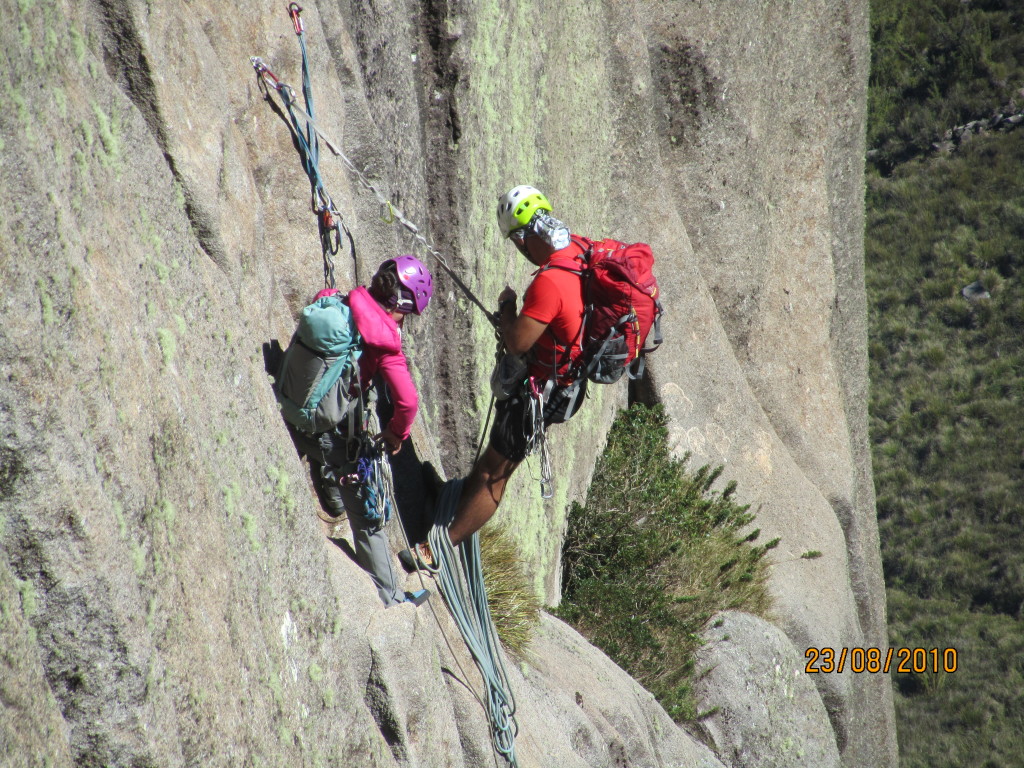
(653, 554)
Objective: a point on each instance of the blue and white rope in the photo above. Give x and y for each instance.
(460, 580)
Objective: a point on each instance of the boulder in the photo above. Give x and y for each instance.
(763, 709)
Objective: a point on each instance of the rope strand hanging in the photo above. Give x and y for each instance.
(314, 134)
(330, 223)
(460, 580)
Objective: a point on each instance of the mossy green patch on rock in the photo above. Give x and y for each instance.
(109, 127)
(168, 345)
(281, 489)
(45, 302)
(27, 591)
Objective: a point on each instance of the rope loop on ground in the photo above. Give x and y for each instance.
(461, 582)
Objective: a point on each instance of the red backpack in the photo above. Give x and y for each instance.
(621, 306)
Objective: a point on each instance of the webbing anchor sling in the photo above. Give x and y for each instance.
(313, 133)
(330, 223)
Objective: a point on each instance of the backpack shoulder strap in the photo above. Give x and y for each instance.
(568, 263)
(571, 264)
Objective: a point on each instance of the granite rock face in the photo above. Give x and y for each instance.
(765, 709)
(167, 594)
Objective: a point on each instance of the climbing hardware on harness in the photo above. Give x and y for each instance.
(373, 472)
(539, 440)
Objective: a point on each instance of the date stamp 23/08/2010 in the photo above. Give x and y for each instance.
(900, 660)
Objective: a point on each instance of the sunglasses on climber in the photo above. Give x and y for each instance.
(518, 237)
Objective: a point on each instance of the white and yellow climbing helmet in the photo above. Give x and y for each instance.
(517, 207)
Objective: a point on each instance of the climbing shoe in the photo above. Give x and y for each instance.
(419, 557)
(417, 598)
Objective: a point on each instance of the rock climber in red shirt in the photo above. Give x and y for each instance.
(546, 334)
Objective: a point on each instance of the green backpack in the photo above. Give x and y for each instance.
(318, 384)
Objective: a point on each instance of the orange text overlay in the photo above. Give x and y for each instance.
(919, 660)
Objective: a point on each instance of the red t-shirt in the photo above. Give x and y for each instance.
(555, 298)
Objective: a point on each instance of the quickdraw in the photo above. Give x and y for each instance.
(538, 440)
(294, 9)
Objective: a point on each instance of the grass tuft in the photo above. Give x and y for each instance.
(514, 606)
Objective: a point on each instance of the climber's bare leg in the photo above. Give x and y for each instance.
(481, 495)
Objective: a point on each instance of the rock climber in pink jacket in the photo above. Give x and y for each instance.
(401, 286)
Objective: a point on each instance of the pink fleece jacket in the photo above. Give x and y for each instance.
(382, 353)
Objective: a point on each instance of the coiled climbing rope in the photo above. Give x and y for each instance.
(460, 580)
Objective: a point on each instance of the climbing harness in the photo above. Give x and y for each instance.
(331, 223)
(461, 583)
(510, 379)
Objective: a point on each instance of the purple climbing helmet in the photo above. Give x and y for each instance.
(418, 286)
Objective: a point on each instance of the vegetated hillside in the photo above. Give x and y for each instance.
(947, 372)
(947, 409)
(936, 65)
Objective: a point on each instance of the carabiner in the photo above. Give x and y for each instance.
(330, 232)
(294, 9)
(263, 71)
(326, 220)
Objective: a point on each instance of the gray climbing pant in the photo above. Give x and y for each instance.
(370, 543)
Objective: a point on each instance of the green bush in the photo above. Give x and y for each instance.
(653, 554)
